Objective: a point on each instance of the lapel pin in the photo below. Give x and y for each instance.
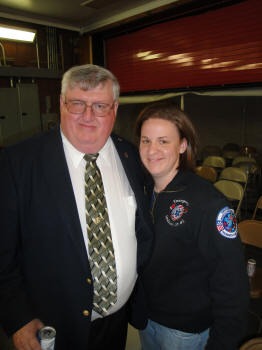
(126, 154)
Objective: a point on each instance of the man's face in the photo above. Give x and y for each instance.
(88, 131)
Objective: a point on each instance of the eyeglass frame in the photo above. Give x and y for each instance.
(90, 106)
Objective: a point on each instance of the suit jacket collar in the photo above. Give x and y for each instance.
(127, 160)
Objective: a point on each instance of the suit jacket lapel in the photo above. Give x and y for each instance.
(58, 178)
(130, 166)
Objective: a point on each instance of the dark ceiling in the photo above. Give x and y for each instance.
(96, 15)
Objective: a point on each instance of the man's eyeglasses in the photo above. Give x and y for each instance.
(79, 107)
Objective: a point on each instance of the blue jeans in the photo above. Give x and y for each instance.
(157, 337)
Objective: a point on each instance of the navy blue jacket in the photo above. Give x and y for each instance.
(196, 278)
(44, 267)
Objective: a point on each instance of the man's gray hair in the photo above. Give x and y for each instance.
(88, 77)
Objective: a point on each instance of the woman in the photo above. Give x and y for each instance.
(196, 283)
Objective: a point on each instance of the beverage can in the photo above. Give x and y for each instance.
(251, 267)
(47, 338)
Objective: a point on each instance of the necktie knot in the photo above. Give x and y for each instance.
(91, 157)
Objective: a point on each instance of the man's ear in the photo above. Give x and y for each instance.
(115, 107)
(61, 101)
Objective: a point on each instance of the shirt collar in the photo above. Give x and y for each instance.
(77, 156)
(105, 152)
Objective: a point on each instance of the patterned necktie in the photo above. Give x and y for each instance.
(100, 245)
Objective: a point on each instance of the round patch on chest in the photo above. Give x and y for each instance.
(178, 208)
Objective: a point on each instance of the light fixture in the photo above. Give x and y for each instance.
(17, 34)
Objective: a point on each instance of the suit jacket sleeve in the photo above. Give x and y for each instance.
(15, 307)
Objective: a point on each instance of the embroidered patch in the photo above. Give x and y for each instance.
(178, 208)
(226, 223)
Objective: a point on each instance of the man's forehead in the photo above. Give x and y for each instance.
(101, 88)
(87, 85)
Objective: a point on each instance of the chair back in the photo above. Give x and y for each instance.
(230, 154)
(252, 344)
(243, 159)
(249, 165)
(234, 174)
(215, 161)
(250, 232)
(258, 206)
(207, 172)
(232, 190)
(238, 175)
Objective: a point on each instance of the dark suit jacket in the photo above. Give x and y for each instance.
(43, 262)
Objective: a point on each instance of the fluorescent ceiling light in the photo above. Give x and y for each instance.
(17, 34)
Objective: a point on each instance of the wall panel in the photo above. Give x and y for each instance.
(217, 119)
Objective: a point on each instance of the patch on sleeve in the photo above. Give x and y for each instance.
(226, 223)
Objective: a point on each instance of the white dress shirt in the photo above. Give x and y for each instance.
(121, 205)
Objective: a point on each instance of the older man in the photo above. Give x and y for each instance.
(51, 216)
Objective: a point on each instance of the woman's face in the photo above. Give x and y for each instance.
(160, 147)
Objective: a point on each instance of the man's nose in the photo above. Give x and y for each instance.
(88, 113)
